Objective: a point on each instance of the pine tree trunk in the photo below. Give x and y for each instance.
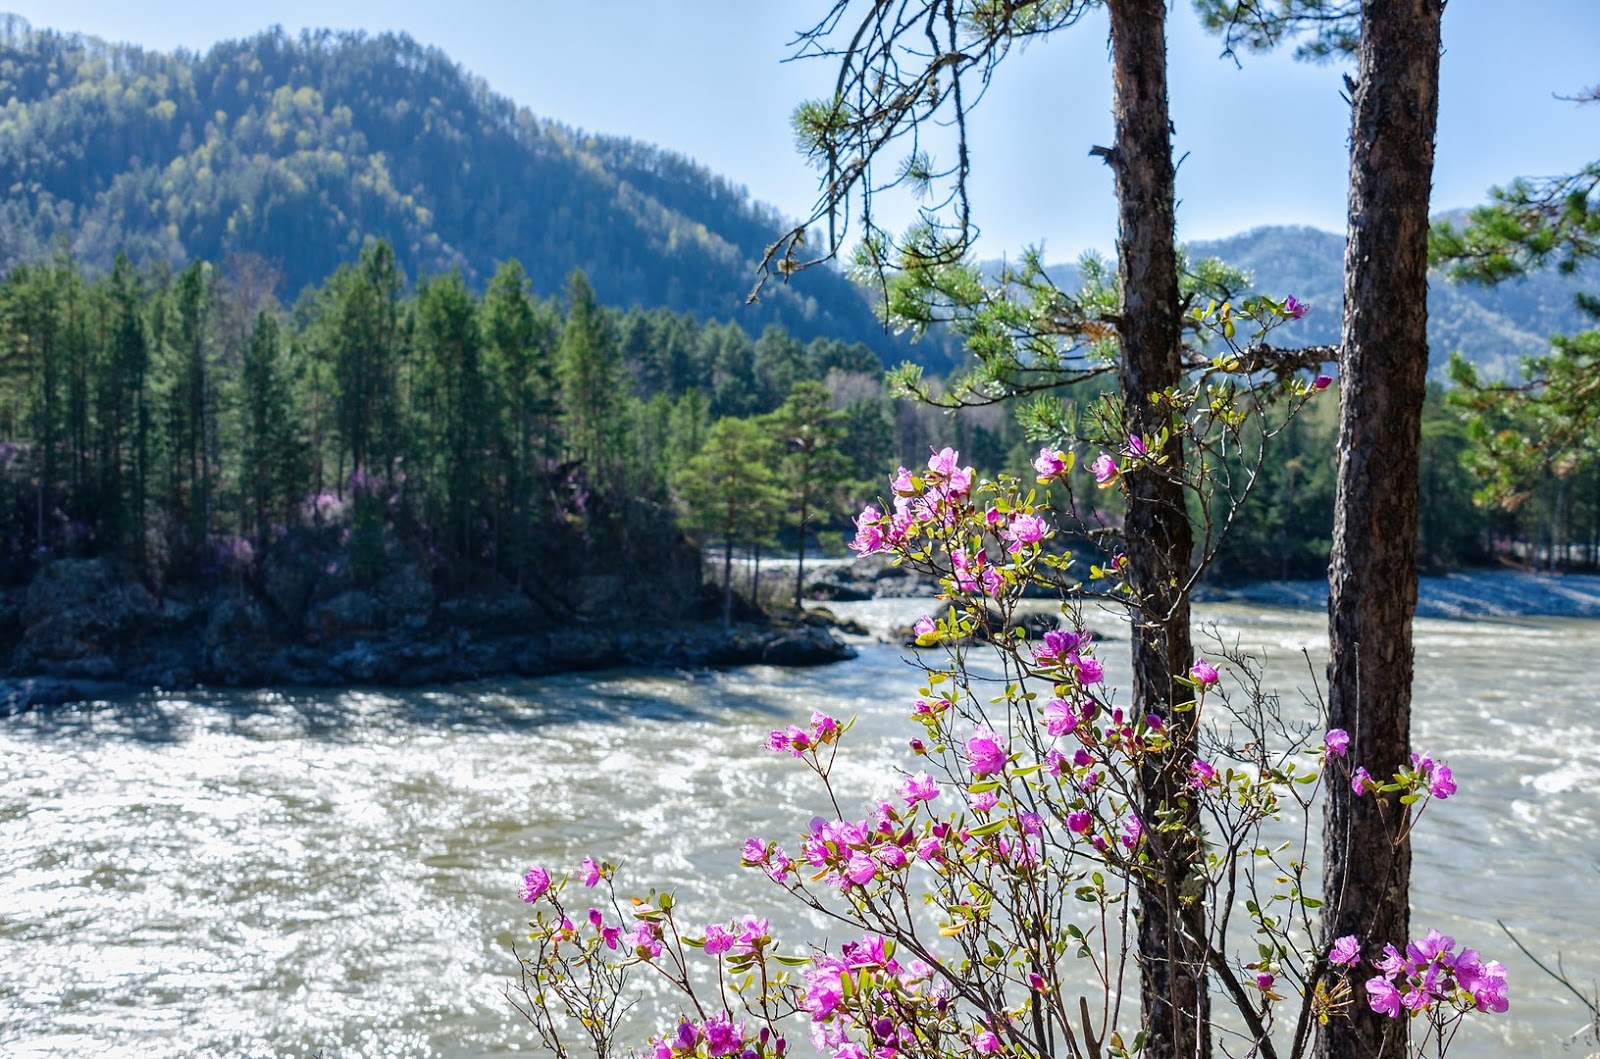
(1372, 579)
(1157, 535)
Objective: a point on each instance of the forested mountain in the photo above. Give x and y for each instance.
(297, 151)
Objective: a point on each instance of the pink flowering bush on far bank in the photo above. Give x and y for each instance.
(984, 904)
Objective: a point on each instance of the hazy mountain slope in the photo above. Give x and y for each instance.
(1493, 327)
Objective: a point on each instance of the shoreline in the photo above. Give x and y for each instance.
(1472, 596)
(460, 654)
(453, 656)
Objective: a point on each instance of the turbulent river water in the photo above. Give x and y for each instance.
(274, 873)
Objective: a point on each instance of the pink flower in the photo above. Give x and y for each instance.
(646, 940)
(1050, 463)
(1132, 831)
(1057, 643)
(1293, 308)
(946, 464)
(924, 626)
(1201, 773)
(723, 1035)
(1383, 997)
(1346, 952)
(718, 939)
(1203, 673)
(1322, 382)
(869, 531)
(793, 739)
(1336, 742)
(1441, 784)
(1090, 671)
(986, 1043)
(752, 935)
(985, 753)
(860, 869)
(1060, 717)
(754, 852)
(1485, 982)
(1362, 781)
(1104, 468)
(1024, 529)
(824, 991)
(535, 883)
(1136, 447)
(982, 803)
(920, 788)
(1430, 948)
(1264, 981)
(1392, 962)
(591, 872)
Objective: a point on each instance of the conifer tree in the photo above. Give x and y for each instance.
(589, 367)
(367, 347)
(1383, 365)
(271, 454)
(811, 464)
(451, 400)
(1536, 440)
(904, 67)
(728, 489)
(520, 335)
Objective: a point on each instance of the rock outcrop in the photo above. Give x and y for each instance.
(301, 617)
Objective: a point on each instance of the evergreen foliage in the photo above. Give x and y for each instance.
(185, 422)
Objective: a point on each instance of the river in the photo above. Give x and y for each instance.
(284, 873)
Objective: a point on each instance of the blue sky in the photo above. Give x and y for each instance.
(1263, 145)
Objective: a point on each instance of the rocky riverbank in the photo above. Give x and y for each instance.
(85, 628)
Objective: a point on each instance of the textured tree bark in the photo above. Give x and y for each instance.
(1157, 534)
(1372, 579)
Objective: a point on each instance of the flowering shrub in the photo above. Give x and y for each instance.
(989, 900)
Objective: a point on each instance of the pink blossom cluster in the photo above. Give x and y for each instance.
(1067, 654)
(745, 938)
(866, 989)
(716, 1036)
(1427, 975)
(823, 731)
(857, 854)
(934, 498)
(1425, 774)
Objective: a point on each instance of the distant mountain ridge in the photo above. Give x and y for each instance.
(1493, 327)
(296, 150)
